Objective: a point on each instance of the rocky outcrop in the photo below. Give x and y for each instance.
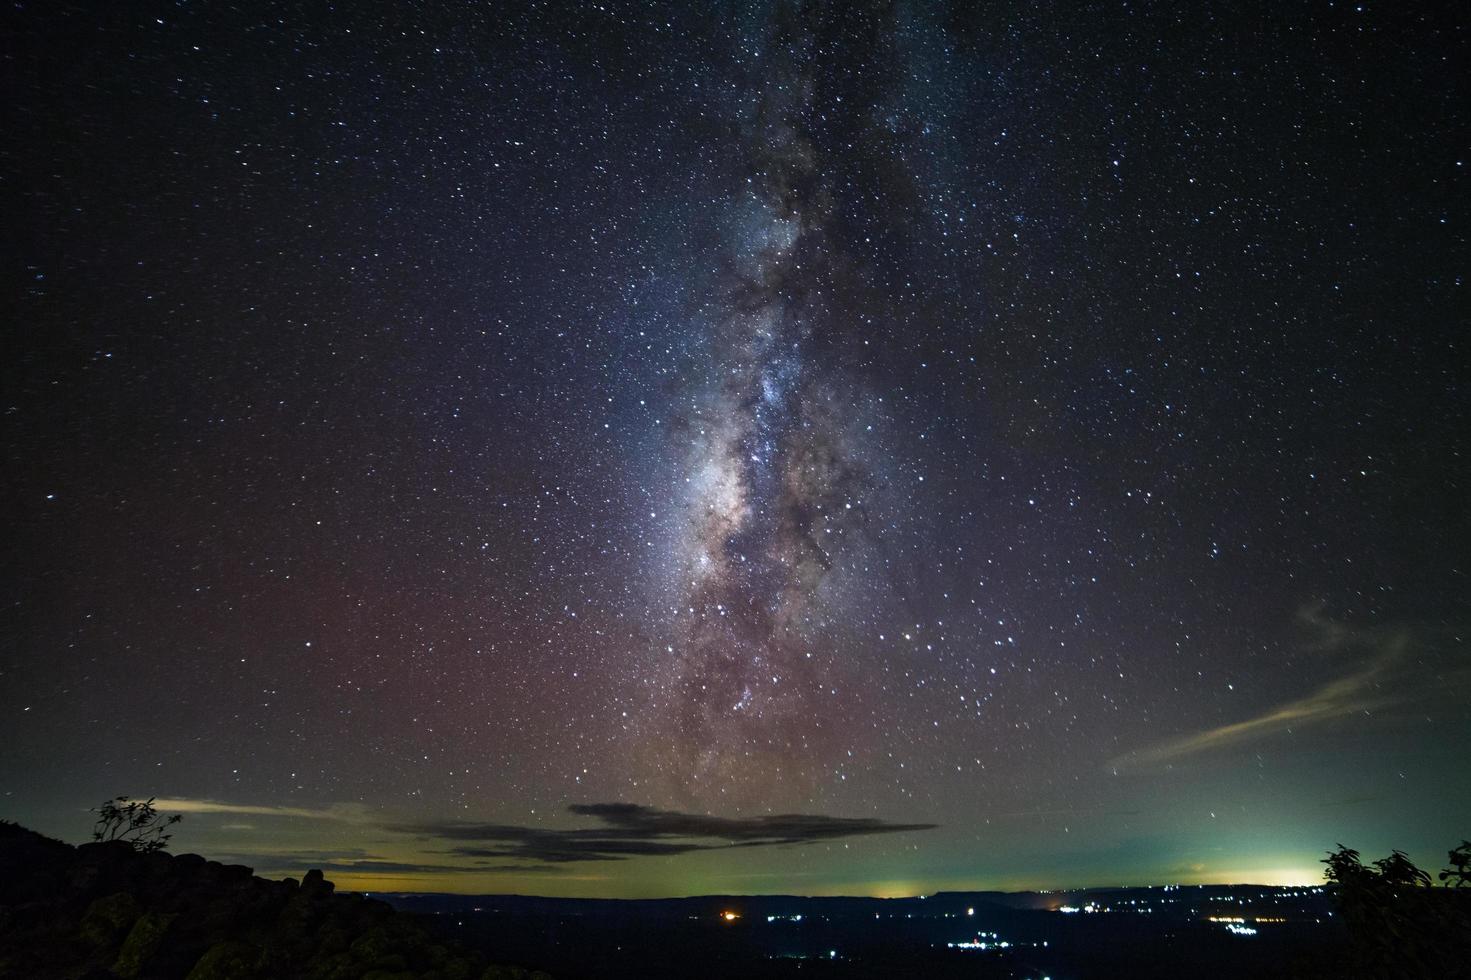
(102, 911)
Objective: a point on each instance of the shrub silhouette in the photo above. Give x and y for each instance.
(135, 822)
(1399, 924)
(1458, 875)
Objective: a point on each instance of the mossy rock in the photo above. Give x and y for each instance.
(376, 944)
(463, 968)
(109, 918)
(500, 972)
(391, 963)
(227, 961)
(278, 959)
(336, 966)
(143, 941)
(332, 939)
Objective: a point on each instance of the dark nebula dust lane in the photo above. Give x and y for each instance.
(774, 457)
(752, 446)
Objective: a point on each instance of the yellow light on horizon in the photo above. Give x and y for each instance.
(730, 916)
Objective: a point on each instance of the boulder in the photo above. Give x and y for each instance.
(230, 960)
(143, 941)
(108, 919)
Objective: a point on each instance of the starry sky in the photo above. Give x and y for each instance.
(652, 449)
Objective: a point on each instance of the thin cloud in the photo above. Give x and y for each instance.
(371, 867)
(184, 805)
(351, 860)
(1346, 696)
(631, 830)
(1365, 689)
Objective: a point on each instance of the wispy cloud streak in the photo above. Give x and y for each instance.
(1367, 688)
(185, 805)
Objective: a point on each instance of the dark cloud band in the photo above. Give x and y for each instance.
(632, 830)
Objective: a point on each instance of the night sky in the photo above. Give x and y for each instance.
(623, 449)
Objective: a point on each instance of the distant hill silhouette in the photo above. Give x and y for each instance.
(105, 910)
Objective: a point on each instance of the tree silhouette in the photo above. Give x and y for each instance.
(1399, 924)
(1458, 875)
(135, 822)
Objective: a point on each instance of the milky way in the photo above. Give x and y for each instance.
(777, 486)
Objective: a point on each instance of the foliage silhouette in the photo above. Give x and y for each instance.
(135, 822)
(1458, 875)
(1399, 924)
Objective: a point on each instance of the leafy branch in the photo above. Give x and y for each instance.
(133, 821)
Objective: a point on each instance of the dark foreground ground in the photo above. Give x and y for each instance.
(1153, 932)
(106, 911)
